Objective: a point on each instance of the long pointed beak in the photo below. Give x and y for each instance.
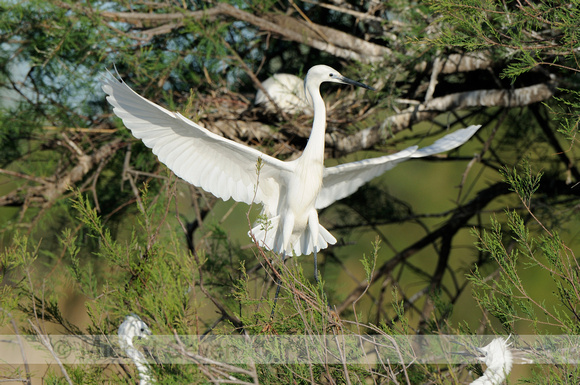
(355, 83)
(469, 353)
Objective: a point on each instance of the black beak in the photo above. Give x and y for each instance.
(355, 83)
(470, 350)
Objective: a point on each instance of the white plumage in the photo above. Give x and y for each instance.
(133, 327)
(498, 359)
(290, 192)
(287, 91)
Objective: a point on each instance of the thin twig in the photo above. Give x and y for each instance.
(22, 352)
(46, 342)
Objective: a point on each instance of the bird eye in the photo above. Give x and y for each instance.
(331, 75)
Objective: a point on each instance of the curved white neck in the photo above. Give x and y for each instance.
(139, 360)
(315, 147)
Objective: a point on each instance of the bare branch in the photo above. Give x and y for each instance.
(343, 44)
(358, 15)
(54, 187)
(373, 135)
(46, 342)
(461, 63)
(460, 217)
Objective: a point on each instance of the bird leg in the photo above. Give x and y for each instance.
(317, 280)
(279, 284)
(316, 268)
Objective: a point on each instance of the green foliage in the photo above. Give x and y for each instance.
(369, 263)
(524, 186)
(511, 27)
(510, 297)
(565, 113)
(16, 266)
(149, 263)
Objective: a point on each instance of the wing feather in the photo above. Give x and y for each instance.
(216, 164)
(342, 180)
(448, 142)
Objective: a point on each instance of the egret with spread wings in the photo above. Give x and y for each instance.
(290, 192)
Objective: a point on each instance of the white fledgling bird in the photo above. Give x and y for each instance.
(133, 327)
(498, 359)
(290, 192)
(287, 91)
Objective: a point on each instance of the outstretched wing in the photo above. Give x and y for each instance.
(218, 165)
(448, 142)
(343, 180)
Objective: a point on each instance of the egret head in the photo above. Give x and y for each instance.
(133, 326)
(496, 354)
(323, 73)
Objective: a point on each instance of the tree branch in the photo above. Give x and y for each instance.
(459, 219)
(461, 63)
(343, 44)
(373, 135)
(54, 187)
(545, 125)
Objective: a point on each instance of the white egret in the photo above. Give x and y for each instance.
(287, 91)
(498, 359)
(133, 327)
(290, 192)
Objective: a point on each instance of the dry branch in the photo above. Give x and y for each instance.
(374, 135)
(461, 63)
(52, 188)
(335, 42)
(460, 217)
(343, 45)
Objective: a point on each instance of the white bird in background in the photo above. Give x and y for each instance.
(290, 192)
(498, 359)
(287, 91)
(133, 327)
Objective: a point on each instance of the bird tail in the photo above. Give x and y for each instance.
(269, 235)
(264, 232)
